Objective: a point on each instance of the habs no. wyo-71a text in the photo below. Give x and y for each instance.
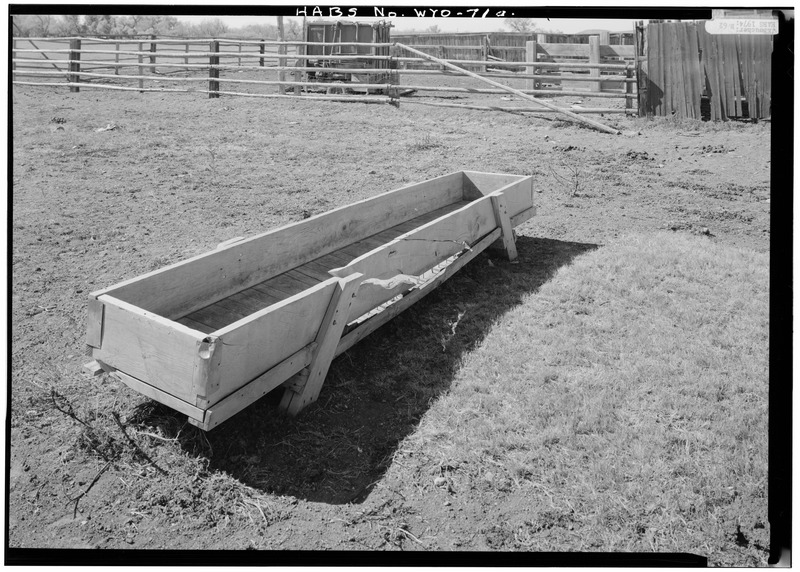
(378, 12)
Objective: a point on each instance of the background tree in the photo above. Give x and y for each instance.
(521, 24)
(212, 28)
(292, 29)
(27, 25)
(69, 25)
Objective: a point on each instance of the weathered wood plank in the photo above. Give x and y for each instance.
(677, 79)
(668, 83)
(728, 58)
(327, 340)
(94, 330)
(284, 283)
(199, 326)
(719, 66)
(156, 394)
(696, 86)
(256, 299)
(304, 278)
(655, 90)
(551, 51)
(181, 288)
(504, 222)
(518, 190)
(93, 368)
(215, 315)
(312, 271)
(148, 347)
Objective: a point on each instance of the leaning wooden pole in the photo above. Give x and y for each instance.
(575, 116)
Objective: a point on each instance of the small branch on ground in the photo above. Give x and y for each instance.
(135, 445)
(78, 498)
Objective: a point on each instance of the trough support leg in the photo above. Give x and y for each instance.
(504, 222)
(304, 390)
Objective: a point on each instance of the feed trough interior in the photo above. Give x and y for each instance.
(277, 288)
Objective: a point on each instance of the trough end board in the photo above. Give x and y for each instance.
(94, 329)
(148, 347)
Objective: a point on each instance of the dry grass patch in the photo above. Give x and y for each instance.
(624, 403)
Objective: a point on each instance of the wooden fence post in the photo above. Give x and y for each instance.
(594, 58)
(530, 56)
(440, 54)
(153, 51)
(13, 63)
(485, 50)
(628, 88)
(186, 59)
(116, 58)
(281, 51)
(261, 51)
(239, 59)
(140, 68)
(213, 72)
(74, 64)
(640, 43)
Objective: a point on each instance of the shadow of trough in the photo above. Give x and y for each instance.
(375, 393)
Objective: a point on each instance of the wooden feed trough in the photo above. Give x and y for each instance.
(211, 335)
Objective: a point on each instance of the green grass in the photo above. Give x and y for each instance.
(625, 401)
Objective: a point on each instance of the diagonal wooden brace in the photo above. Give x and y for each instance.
(504, 222)
(302, 392)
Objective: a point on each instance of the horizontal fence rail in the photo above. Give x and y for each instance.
(205, 65)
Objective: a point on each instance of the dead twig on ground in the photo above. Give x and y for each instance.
(78, 498)
(68, 411)
(573, 182)
(135, 445)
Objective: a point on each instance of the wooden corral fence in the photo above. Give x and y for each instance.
(227, 66)
(500, 46)
(686, 72)
(496, 50)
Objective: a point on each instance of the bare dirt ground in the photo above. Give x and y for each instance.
(173, 175)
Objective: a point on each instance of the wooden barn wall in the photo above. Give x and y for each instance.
(454, 47)
(685, 63)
